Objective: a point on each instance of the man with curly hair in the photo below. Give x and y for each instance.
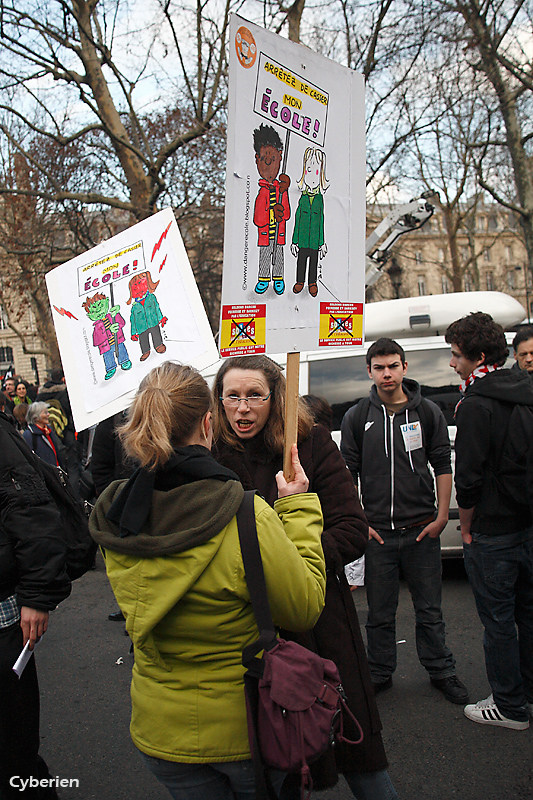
(493, 447)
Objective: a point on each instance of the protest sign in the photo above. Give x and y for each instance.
(294, 264)
(121, 309)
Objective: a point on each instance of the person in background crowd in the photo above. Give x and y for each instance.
(523, 350)
(249, 431)
(9, 390)
(21, 394)
(56, 389)
(19, 412)
(33, 581)
(494, 498)
(33, 391)
(320, 410)
(174, 562)
(41, 438)
(109, 463)
(390, 449)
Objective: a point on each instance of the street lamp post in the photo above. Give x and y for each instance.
(395, 274)
(526, 280)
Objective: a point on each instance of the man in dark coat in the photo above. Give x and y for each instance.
(33, 581)
(493, 477)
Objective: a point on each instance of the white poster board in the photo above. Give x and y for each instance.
(294, 264)
(121, 309)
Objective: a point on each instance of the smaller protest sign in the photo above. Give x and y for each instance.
(122, 308)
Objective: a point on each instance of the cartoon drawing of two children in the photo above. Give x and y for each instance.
(272, 210)
(146, 320)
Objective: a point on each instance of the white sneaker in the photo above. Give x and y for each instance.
(486, 712)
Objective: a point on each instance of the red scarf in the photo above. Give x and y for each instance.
(478, 372)
(47, 433)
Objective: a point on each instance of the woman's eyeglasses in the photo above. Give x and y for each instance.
(232, 401)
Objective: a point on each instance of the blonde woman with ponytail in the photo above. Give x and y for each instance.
(174, 562)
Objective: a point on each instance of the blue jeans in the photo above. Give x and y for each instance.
(231, 780)
(371, 785)
(500, 572)
(422, 569)
(364, 786)
(109, 356)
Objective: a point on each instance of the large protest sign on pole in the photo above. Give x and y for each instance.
(294, 262)
(121, 309)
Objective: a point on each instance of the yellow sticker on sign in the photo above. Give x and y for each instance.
(340, 324)
(243, 330)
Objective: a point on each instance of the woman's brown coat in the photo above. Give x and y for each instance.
(337, 634)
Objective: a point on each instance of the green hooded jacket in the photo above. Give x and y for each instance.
(182, 589)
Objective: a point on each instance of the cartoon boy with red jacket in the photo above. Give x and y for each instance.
(271, 210)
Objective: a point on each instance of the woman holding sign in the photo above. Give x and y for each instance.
(174, 562)
(249, 432)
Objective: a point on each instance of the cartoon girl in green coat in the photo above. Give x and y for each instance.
(308, 236)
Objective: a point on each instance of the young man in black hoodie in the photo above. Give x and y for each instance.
(390, 450)
(496, 523)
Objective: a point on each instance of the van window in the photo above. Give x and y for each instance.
(344, 381)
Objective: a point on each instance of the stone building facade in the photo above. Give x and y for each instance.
(32, 366)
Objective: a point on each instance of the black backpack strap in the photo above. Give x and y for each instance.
(255, 579)
(359, 420)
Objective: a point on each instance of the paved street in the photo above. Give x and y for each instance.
(435, 753)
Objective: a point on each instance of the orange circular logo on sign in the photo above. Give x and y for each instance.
(246, 47)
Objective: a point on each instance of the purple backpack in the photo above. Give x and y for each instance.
(294, 698)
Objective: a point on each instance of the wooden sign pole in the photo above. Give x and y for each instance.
(291, 412)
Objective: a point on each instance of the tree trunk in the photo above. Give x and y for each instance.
(138, 183)
(484, 41)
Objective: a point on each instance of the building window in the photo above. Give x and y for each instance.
(510, 279)
(481, 223)
(445, 283)
(490, 282)
(508, 253)
(3, 319)
(467, 282)
(442, 255)
(486, 255)
(6, 355)
(493, 223)
(421, 285)
(418, 257)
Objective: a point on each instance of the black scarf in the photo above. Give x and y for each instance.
(131, 509)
